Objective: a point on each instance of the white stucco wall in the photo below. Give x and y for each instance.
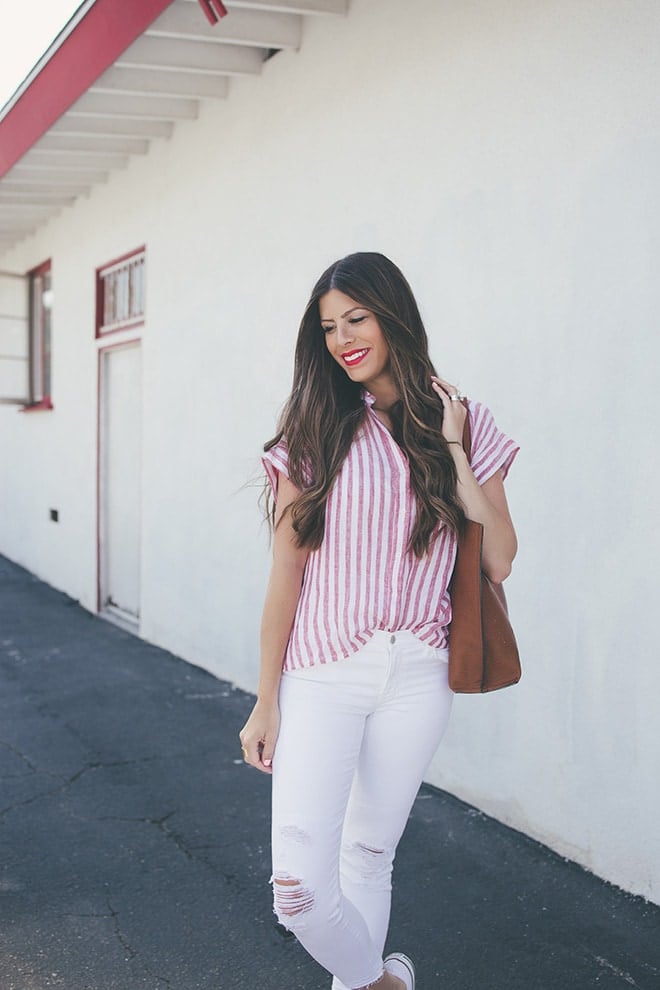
(506, 155)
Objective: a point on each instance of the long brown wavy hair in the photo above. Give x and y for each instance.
(325, 408)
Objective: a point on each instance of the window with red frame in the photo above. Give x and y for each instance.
(120, 294)
(40, 290)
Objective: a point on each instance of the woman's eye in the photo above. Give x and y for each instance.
(357, 319)
(327, 329)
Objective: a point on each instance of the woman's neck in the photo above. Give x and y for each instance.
(384, 392)
(385, 395)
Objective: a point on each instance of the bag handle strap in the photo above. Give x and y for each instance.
(467, 433)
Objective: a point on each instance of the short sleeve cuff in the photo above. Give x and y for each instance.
(276, 461)
(492, 450)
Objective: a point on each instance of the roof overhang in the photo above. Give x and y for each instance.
(121, 73)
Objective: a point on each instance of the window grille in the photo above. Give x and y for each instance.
(14, 339)
(26, 303)
(120, 294)
(41, 302)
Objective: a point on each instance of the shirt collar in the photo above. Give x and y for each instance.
(368, 398)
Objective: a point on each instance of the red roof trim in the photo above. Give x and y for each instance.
(96, 42)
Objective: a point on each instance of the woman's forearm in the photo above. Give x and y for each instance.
(280, 606)
(259, 734)
(282, 594)
(487, 505)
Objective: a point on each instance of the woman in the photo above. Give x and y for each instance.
(371, 485)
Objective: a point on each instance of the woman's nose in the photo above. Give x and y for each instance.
(345, 333)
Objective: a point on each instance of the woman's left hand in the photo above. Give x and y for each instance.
(454, 410)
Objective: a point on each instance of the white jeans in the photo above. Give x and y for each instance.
(356, 738)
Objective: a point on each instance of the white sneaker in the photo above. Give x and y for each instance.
(399, 965)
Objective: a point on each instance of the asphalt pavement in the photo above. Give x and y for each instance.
(134, 842)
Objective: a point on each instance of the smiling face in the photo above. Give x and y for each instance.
(354, 339)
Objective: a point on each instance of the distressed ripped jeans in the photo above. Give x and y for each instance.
(355, 741)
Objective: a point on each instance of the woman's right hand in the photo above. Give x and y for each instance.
(259, 735)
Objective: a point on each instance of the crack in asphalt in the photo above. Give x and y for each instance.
(121, 938)
(190, 852)
(161, 824)
(156, 976)
(67, 782)
(28, 762)
(26, 801)
(128, 948)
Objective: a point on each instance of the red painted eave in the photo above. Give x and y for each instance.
(95, 43)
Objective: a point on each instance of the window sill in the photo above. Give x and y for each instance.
(46, 403)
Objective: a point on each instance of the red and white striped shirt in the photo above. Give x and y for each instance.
(362, 577)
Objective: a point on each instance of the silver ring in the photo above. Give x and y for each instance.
(457, 397)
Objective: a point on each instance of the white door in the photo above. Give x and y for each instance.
(120, 463)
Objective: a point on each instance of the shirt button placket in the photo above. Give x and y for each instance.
(401, 509)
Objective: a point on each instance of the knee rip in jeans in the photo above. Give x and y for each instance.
(293, 833)
(369, 861)
(292, 898)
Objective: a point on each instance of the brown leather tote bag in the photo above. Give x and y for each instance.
(483, 654)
